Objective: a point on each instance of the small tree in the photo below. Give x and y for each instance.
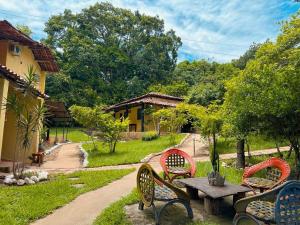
(96, 118)
(170, 119)
(210, 127)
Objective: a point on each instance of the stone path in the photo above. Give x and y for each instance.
(85, 208)
(68, 157)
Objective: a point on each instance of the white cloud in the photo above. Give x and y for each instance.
(219, 30)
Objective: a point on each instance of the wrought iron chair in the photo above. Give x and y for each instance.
(174, 164)
(278, 171)
(151, 187)
(280, 205)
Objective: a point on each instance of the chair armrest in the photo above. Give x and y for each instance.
(270, 195)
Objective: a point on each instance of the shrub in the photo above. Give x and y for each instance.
(149, 136)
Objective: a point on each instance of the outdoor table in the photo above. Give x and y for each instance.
(213, 194)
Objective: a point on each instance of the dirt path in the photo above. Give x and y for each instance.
(68, 157)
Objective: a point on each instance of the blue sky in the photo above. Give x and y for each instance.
(218, 30)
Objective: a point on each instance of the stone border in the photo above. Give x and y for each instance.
(50, 150)
(84, 156)
(150, 156)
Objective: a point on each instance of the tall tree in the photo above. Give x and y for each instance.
(109, 52)
(266, 95)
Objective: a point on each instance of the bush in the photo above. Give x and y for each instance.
(149, 136)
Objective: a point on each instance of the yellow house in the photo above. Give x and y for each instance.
(17, 53)
(135, 109)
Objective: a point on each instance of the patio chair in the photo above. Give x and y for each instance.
(151, 187)
(280, 205)
(174, 164)
(277, 172)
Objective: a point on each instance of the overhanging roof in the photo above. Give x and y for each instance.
(42, 54)
(57, 111)
(150, 98)
(17, 80)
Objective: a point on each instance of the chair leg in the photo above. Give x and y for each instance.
(185, 203)
(141, 205)
(189, 210)
(156, 214)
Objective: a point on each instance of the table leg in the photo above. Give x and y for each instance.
(212, 205)
(193, 192)
(238, 196)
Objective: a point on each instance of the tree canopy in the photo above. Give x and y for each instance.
(266, 96)
(107, 54)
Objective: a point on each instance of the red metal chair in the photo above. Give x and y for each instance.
(278, 171)
(177, 163)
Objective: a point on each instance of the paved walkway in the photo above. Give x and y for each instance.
(68, 157)
(85, 208)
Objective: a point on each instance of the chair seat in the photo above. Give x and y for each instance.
(163, 193)
(262, 210)
(260, 182)
(178, 170)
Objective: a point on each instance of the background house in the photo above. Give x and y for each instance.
(136, 109)
(17, 52)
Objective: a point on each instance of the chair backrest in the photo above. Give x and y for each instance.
(145, 184)
(176, 158)
(281, 172)
(287, 206)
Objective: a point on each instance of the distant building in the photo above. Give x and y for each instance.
(17, 52)
(134, 109)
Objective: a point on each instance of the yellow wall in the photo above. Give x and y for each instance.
(18, 64)
(10, 131)
(132, 116)
(3, 95)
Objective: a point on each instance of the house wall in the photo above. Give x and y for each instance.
(132, 116)
(10, 130)
(18, 64)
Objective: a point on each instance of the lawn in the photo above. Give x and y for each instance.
(74, 134)
(22, 205)
(127, 152)
(256, 142)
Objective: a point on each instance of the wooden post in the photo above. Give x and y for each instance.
(143, 117)
(212, 205)
(63, 133)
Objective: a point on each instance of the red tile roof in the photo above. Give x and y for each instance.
(150, 98)
(41, 53)
(17, 80)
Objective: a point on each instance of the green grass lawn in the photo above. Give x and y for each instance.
(74, 134)
(22, 205)
(256, 142)
(127, 152)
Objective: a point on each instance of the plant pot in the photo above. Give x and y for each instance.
(215, 179)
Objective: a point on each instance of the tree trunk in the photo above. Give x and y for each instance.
(290, 151)
(240, 148)
(278, 151)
